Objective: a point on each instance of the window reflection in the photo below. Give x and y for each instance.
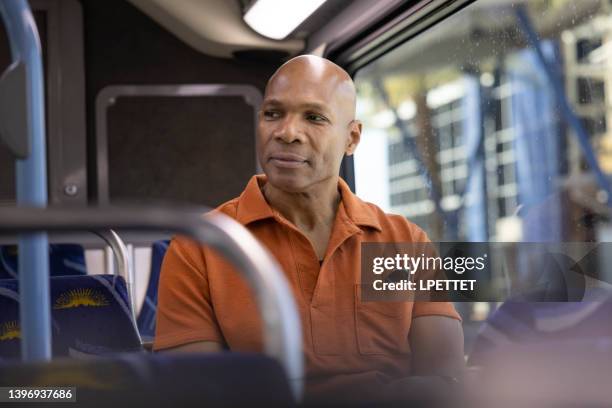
(465, 132)
(476, 144)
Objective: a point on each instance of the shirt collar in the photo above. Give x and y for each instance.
(252, 205)
(358, 211)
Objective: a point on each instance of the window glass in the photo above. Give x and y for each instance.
(465, 134)
(480, 128)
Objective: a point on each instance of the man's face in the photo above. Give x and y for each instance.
(304, 128)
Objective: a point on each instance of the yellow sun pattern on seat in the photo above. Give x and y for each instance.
(80, 297)
(10, 330)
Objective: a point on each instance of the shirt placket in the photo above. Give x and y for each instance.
(326, 321)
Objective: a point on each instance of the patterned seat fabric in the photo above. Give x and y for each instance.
(148, 312)
(10, 333)
(64, 259)
(523, 323)
(90, 316)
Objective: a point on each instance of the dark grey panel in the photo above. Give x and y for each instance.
(7, 163)
(135, 50)
(195, 149)
(65, 96)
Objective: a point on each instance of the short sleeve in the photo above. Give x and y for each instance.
(184, 311)
(435, 309)
(425, 308)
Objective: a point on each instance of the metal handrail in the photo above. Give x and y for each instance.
(125, 267)
(23, 112)
(282, 327)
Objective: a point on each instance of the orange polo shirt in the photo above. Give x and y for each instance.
(348, 345)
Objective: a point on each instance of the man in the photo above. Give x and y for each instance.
(313, 224)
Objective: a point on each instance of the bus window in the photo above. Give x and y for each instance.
(469, 127)
(465, 132)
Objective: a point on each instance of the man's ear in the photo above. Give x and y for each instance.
(354, 137)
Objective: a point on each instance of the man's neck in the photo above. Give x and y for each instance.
(307, 210)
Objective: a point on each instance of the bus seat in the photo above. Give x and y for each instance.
(523, 323)
(90, 316)
(148, 312)
(543, 354)
(160, 380)
(64, 259)
(10, 335)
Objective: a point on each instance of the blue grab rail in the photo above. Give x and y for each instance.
(31, 179)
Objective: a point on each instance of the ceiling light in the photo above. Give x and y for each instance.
(278, 18)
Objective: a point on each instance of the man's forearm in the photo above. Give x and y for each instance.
(437, 346)
(196, 347)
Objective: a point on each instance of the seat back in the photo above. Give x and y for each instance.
(148, 312)
(10, 332)
(161, 380)
(523, 323)
(90, 316)
(64, 260)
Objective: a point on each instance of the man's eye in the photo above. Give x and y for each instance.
(271, 114)
(315, 118)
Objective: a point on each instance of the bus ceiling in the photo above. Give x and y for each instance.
(213, 27)
(218, 28)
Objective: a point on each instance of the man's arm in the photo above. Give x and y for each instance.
(197, 347)
(185, 317)
(437, 346)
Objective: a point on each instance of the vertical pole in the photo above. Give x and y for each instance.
(565, 108)
(31, 180)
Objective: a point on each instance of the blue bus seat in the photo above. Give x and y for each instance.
(64, 259)
(90, 316)
(148, 312)
(161, 380)
(10, 334)
(523, 323)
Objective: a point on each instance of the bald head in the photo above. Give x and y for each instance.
(320, 73)
(307, 124)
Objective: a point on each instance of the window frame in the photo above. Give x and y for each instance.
(399, 27)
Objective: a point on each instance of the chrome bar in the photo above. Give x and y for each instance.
(282, 326)
(124, 265)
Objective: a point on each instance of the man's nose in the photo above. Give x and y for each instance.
(289, 130)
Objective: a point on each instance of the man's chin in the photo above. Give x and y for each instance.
(287, 183)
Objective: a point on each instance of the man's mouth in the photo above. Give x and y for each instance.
(287, 160)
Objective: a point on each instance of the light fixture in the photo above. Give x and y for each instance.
(278, 18)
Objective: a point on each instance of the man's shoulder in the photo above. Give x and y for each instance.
(396, 226)
(188, 245)
(229, 208)
(250, 205)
